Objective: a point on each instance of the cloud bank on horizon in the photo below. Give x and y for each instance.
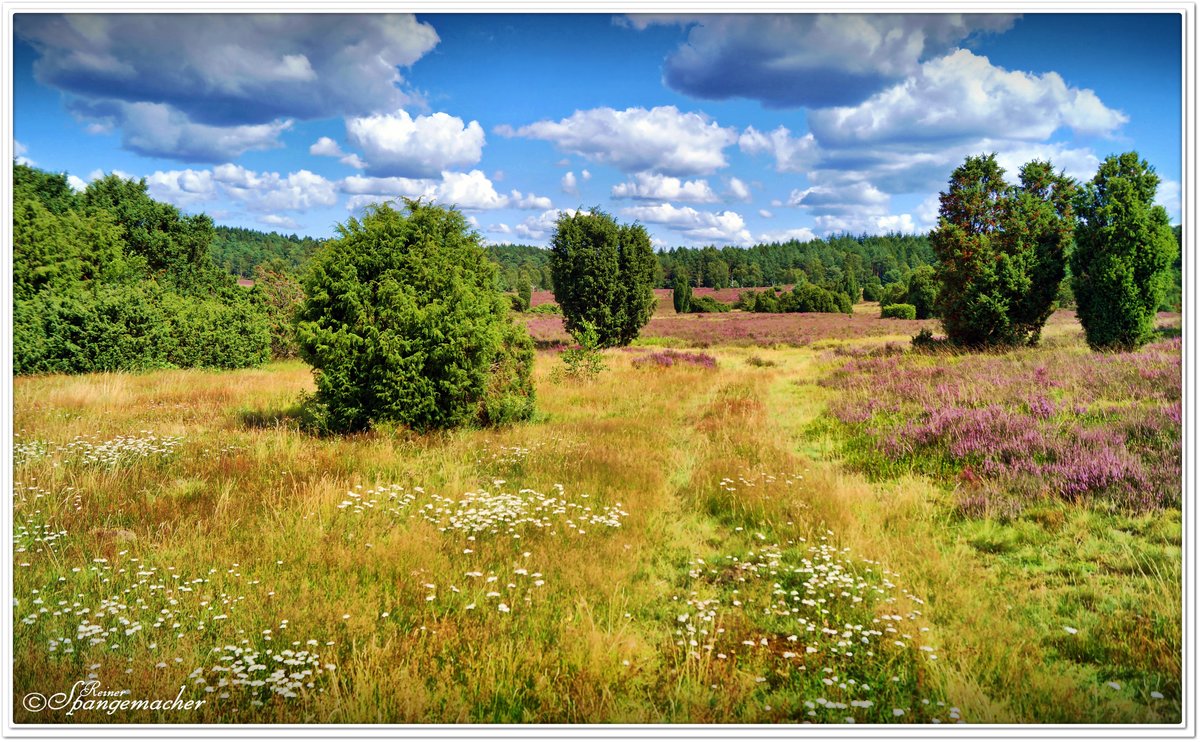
(713, 129)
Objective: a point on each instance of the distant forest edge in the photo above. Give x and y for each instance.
(240, 250)
(876, 260)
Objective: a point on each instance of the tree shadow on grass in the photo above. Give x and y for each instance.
(289, 417)
(1169, 332)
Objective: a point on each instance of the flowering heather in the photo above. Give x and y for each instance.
(537, 298)
(668, 358)
(1051, 422)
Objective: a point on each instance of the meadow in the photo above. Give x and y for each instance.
(742, 519)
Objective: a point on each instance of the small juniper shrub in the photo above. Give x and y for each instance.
(898, 311)
(760, 362)
(708, 305)
(584, 359)
(926, 341)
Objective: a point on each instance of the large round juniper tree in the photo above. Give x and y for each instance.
(1124, 246)
(603, 275)
(403, 323)
(1001, 251)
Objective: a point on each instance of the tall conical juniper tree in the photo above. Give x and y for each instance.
(1001, 252)
(603, 275)
(1124, 246)
(681, 296)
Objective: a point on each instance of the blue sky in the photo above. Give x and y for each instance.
(712, 129)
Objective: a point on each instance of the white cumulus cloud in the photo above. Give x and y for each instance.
(540, 226)
(800, 234)
(964, 96)
(656, 187)
(19, 151)
(272, 192)
(519, 200)
(161, 130)
(396, 144)
(738, 190)
(470, 191)
(182, 188)
(277, 220)
(208, 87)
(791, 154)
(661, 139)
(698, 226)
(326, 147)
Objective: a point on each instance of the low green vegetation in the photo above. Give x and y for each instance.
(110, 279)
(403, 324)
(898, 311)
(1124, 250)
(803, 297)
(1001, 251)
(603, 275)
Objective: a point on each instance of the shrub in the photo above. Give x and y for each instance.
(708, 305)
(1124, 248)
(281, 295)
(508, 397)
(114, 281)
(922, 291)
(681, 295)
(925, 341)
(584, 359)
(403, 324)
(808, 297)
(524, 292)
(804, 297)
(1001, 251)
(894, 293)
(548, 308)
(603, 275)
(898, 311)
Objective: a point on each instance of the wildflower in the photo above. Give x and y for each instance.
(1070, 630)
